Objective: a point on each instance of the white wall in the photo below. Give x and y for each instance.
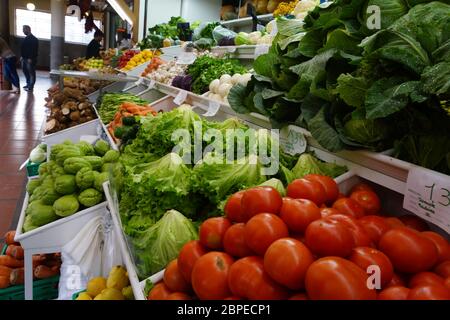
(204, 10)
(159, 11)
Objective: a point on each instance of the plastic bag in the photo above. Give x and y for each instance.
(197, 32)
(92, 253)
(221, 32)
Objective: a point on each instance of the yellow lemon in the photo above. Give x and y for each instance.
(95, 286)
(84, 296)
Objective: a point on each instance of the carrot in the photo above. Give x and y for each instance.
(9, 238)
(17, 276)
(4, 282)
(43, 272)
(10, 262)
(15, 252)
(5, 271)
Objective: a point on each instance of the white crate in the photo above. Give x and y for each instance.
(89, 128)
(51, 237)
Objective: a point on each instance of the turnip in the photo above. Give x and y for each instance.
(214, 86)
(226, 78)
(224, 89)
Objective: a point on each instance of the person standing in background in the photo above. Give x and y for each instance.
(93, 48)
(10, 62)
(125, 43)
(29, 53)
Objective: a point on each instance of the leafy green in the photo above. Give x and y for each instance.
(161, 243)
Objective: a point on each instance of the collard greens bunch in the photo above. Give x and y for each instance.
(353, 86)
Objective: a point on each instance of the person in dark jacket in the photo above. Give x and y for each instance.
(9, 65)
(29, 53)
(93, 49)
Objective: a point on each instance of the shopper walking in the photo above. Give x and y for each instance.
(9, 62)
(93, 48)
(29, 53)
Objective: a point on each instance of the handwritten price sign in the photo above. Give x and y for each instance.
(428, 196)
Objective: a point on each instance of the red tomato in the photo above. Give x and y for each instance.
(408, 250)
(210, 276)
(326, 212)
(212, 231)
(330, 186)
(396, 281)
(262, 230)
(447, 283)
(233, 210)
(286, 261)
(360, 237)
(441, 244)
(234, 241)
(426, 278)
(429, 292)
(334, 278)
(368, 200)
(374, 226)
(361, 187)
(298, 213)
(364, 257)
(248, 279)
(299, 296)
(394, 222)
(159, 292)
(173, 278)
(326, 238)
(233, 298)
(414, 222)
(341, 195)
(307, 189)
(443, 269)
(178, 296)
(187, 257)
(260, 200)
(349, 207)
(394, 293)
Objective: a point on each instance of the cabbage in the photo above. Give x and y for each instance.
(242, 39)
(161, 243)
(277, 184)
(308, 164)
(38, 154)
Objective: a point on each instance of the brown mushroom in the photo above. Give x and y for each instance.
(75, 116)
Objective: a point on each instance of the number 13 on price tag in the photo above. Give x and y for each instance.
(428, 195)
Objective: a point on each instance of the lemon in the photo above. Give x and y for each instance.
(84, 296)
(117, 278)
(111, 294)
(95, 286)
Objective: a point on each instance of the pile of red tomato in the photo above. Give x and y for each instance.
(126, 56)
(313, 244)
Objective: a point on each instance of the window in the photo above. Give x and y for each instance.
(75, 30)
(40, 23)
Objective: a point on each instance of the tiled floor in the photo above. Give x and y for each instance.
(21, 119)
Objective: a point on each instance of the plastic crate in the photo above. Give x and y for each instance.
(32, 169)
(45, 289)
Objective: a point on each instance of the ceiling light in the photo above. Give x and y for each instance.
(31, 6)
(121, 11)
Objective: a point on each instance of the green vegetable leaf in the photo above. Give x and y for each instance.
(436, 79)
(352, 89)
(324, 133)
(388, 96)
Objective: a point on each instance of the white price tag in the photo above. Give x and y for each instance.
(151, 85)
(139, 82)
(213, 108)
(261, 49)
(180, 98)
(428, 195)
(293, 140)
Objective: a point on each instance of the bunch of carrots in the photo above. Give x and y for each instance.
(152, 66)
(128, 109)
(12, 264)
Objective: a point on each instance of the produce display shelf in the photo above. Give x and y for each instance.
(93, 75)
(51, 237)
(245, 52)
(241, 22)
